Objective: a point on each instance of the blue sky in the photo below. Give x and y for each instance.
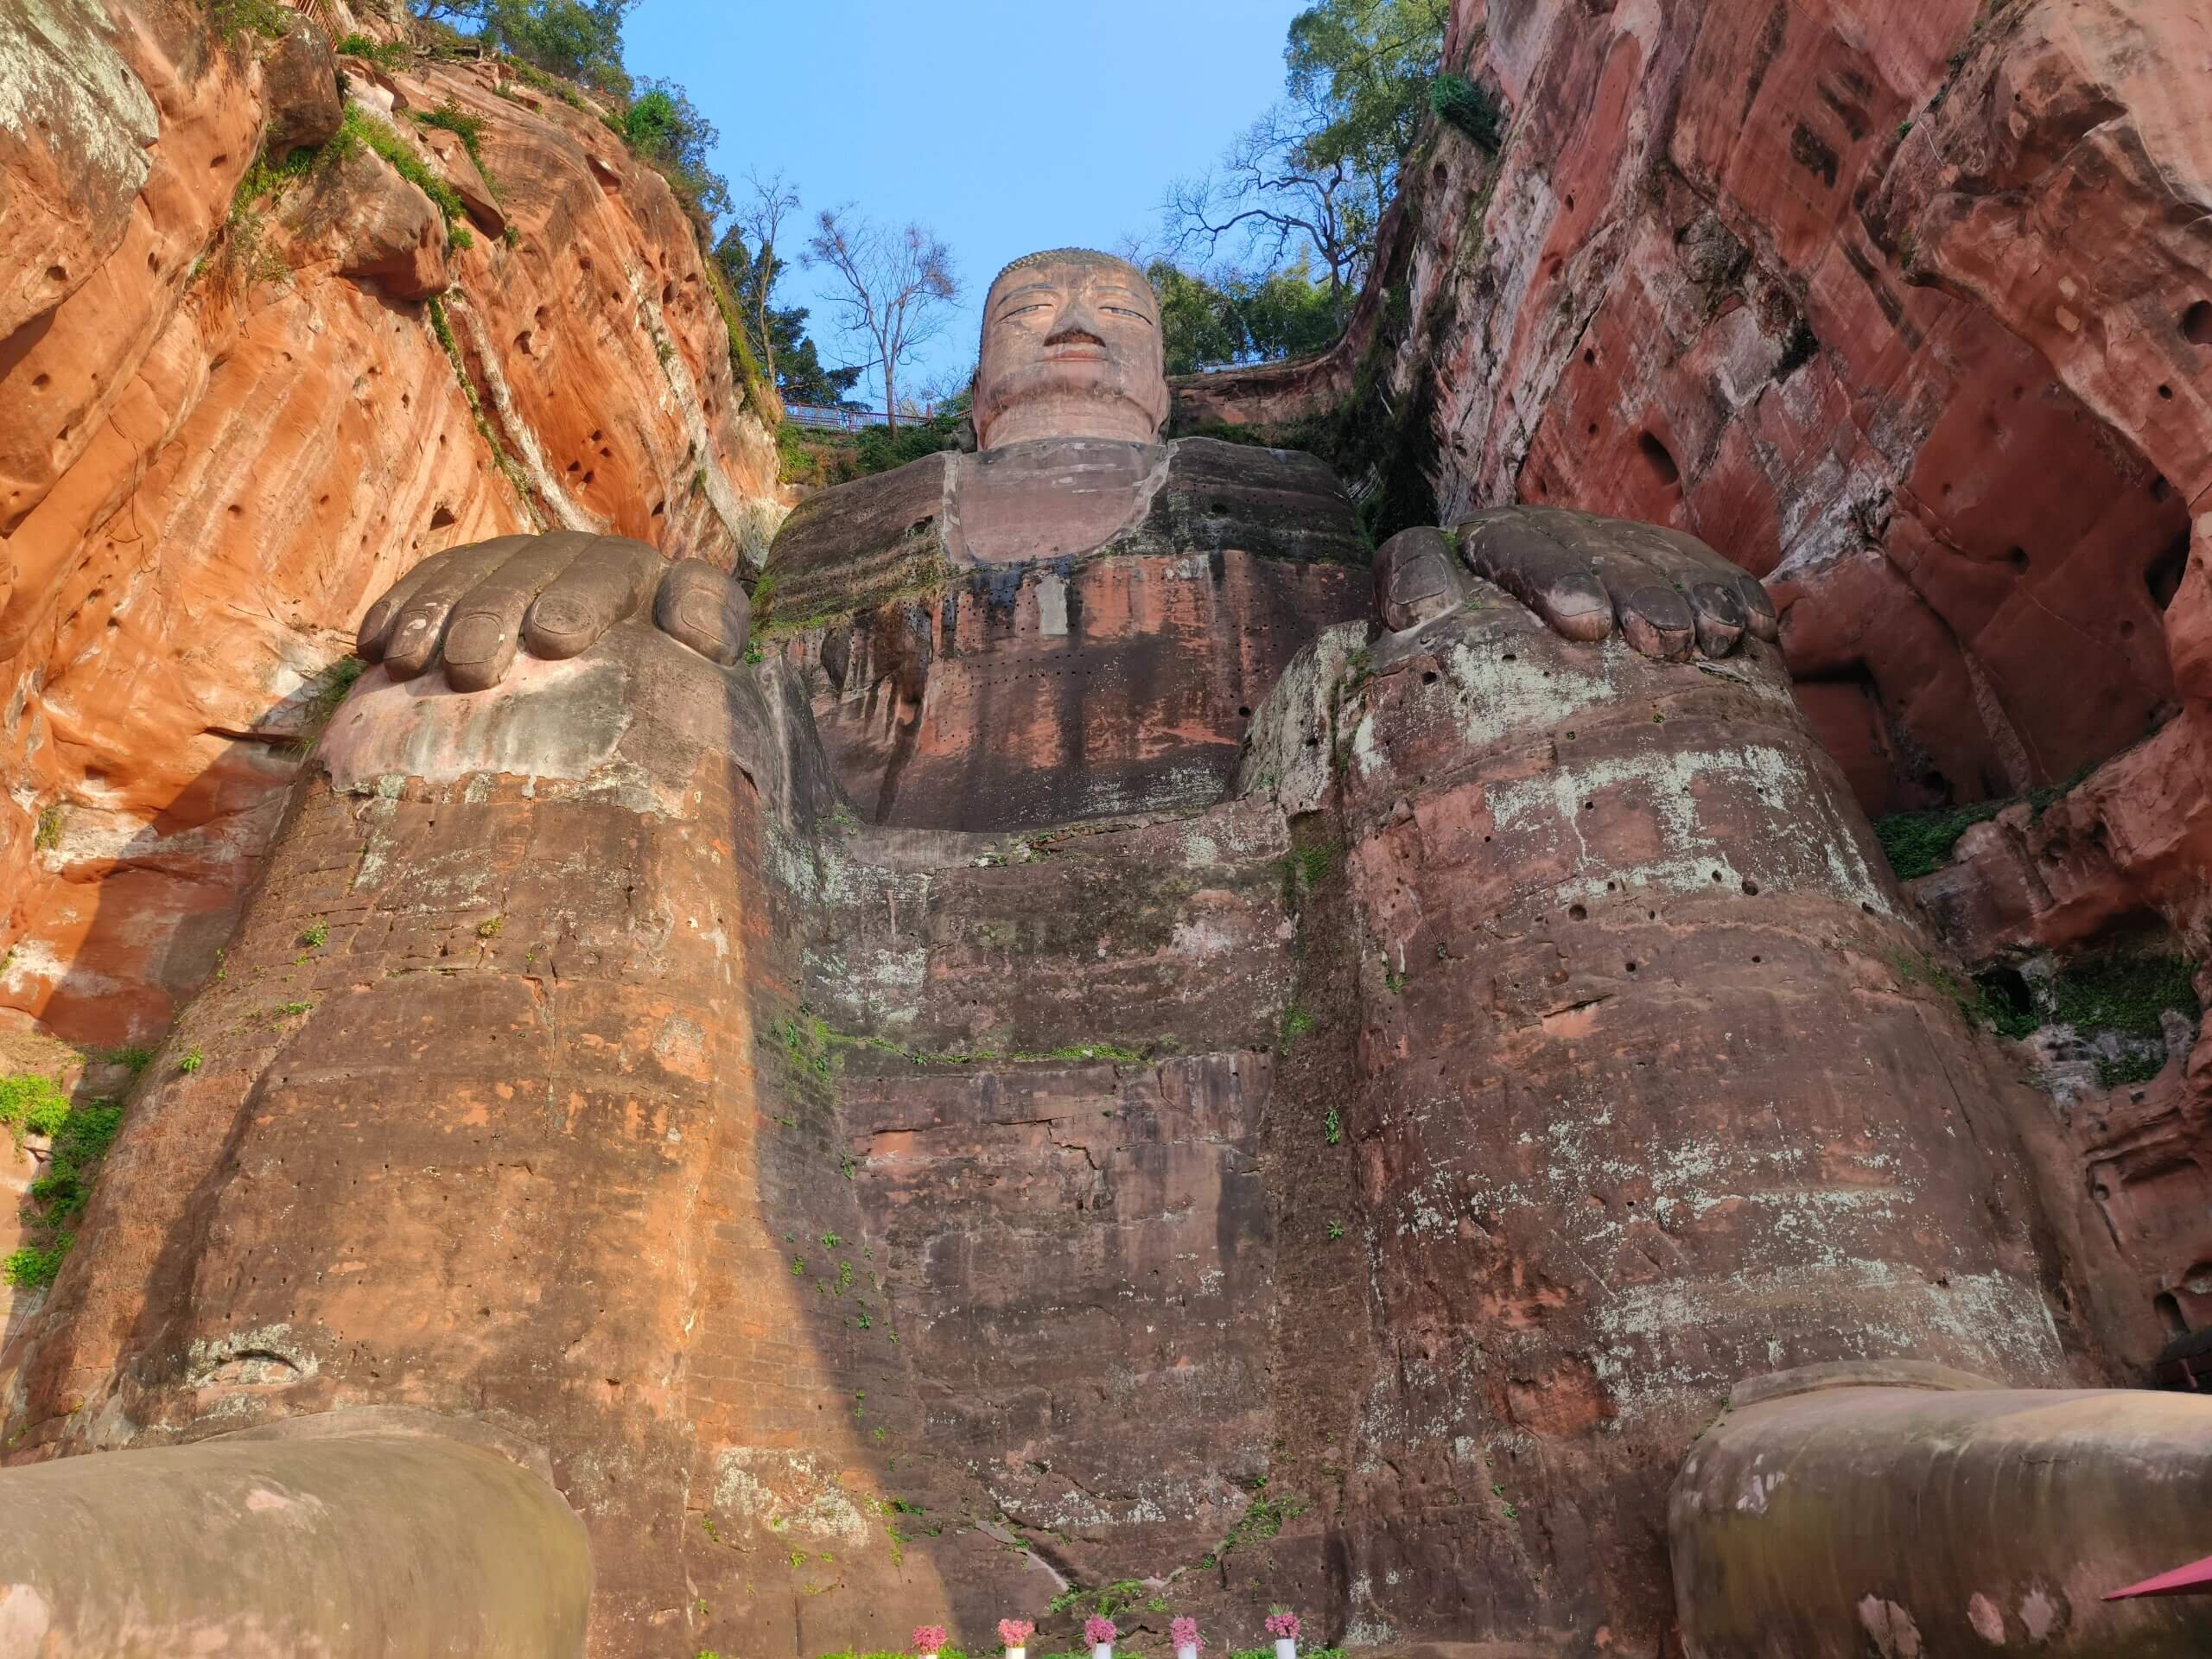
(1003, 127)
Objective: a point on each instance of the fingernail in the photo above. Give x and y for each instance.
(701, 613)
(475, 637)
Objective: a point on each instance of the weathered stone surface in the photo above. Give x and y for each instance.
(299, 83)
(216, 446)
(520, 1060)
(1848, 1518)
(466, 178)
(376, 226)
(1903, 309)
(414, 1542)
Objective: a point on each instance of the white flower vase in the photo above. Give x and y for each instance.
(1017, 1653)
(1191, 1652)
(1286, 1647)
(1101, 1650)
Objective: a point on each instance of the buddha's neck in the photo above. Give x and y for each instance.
(1070, 417)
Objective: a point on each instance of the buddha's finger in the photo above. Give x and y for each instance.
(418, 626)
(1704, 579)
(705, 609)
(1758, 609)
(486, 629)
(375, 631)
(1654, 617)
(1416, 577)
(1516, 547)
(607, 582)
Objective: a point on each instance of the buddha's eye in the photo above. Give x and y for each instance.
(1023, 310)
(1124, 311)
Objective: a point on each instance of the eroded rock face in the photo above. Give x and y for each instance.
(1908, 311)
(216, 445)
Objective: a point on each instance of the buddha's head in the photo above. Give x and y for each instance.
(1070, 349)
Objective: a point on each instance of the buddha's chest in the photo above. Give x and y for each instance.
(1075, 689)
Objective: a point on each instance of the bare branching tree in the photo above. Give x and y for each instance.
(761, 217)
(1271, 198)
(899, 288)
(1312, 177)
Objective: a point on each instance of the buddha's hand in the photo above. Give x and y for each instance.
(475, 607)
(1666, 591)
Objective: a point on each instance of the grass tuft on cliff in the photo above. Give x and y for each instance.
(361, 129)
(469, 129)
(78, 1137)
(1920, 844)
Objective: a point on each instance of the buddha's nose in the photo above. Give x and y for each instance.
(1077, 324)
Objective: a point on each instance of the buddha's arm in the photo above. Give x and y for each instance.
(474, 609)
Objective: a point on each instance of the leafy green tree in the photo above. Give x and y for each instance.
(1367, 65)
(1234, 318)
(1196, 326)
(580, 39)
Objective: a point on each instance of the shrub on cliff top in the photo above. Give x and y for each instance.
(664, 127)
(1919, 843)
(386, 54)
(234, 19)
(580, 39)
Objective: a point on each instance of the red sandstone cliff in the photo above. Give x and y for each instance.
(231, 413)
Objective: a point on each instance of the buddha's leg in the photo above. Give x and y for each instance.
(1660, 1088)
(469, 1123)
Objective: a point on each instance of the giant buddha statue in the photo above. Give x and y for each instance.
(1089, 1038)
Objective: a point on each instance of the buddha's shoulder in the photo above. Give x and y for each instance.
(1276, 503)
(865, 512)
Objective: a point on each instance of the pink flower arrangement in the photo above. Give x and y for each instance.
(929, 1638)
(1016, 1632)
(1096, 1628)
(1283, 1626)
(1184, 1632)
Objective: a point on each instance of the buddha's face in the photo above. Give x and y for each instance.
(1071, 350)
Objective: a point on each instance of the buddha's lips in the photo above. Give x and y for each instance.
(1076, 354)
